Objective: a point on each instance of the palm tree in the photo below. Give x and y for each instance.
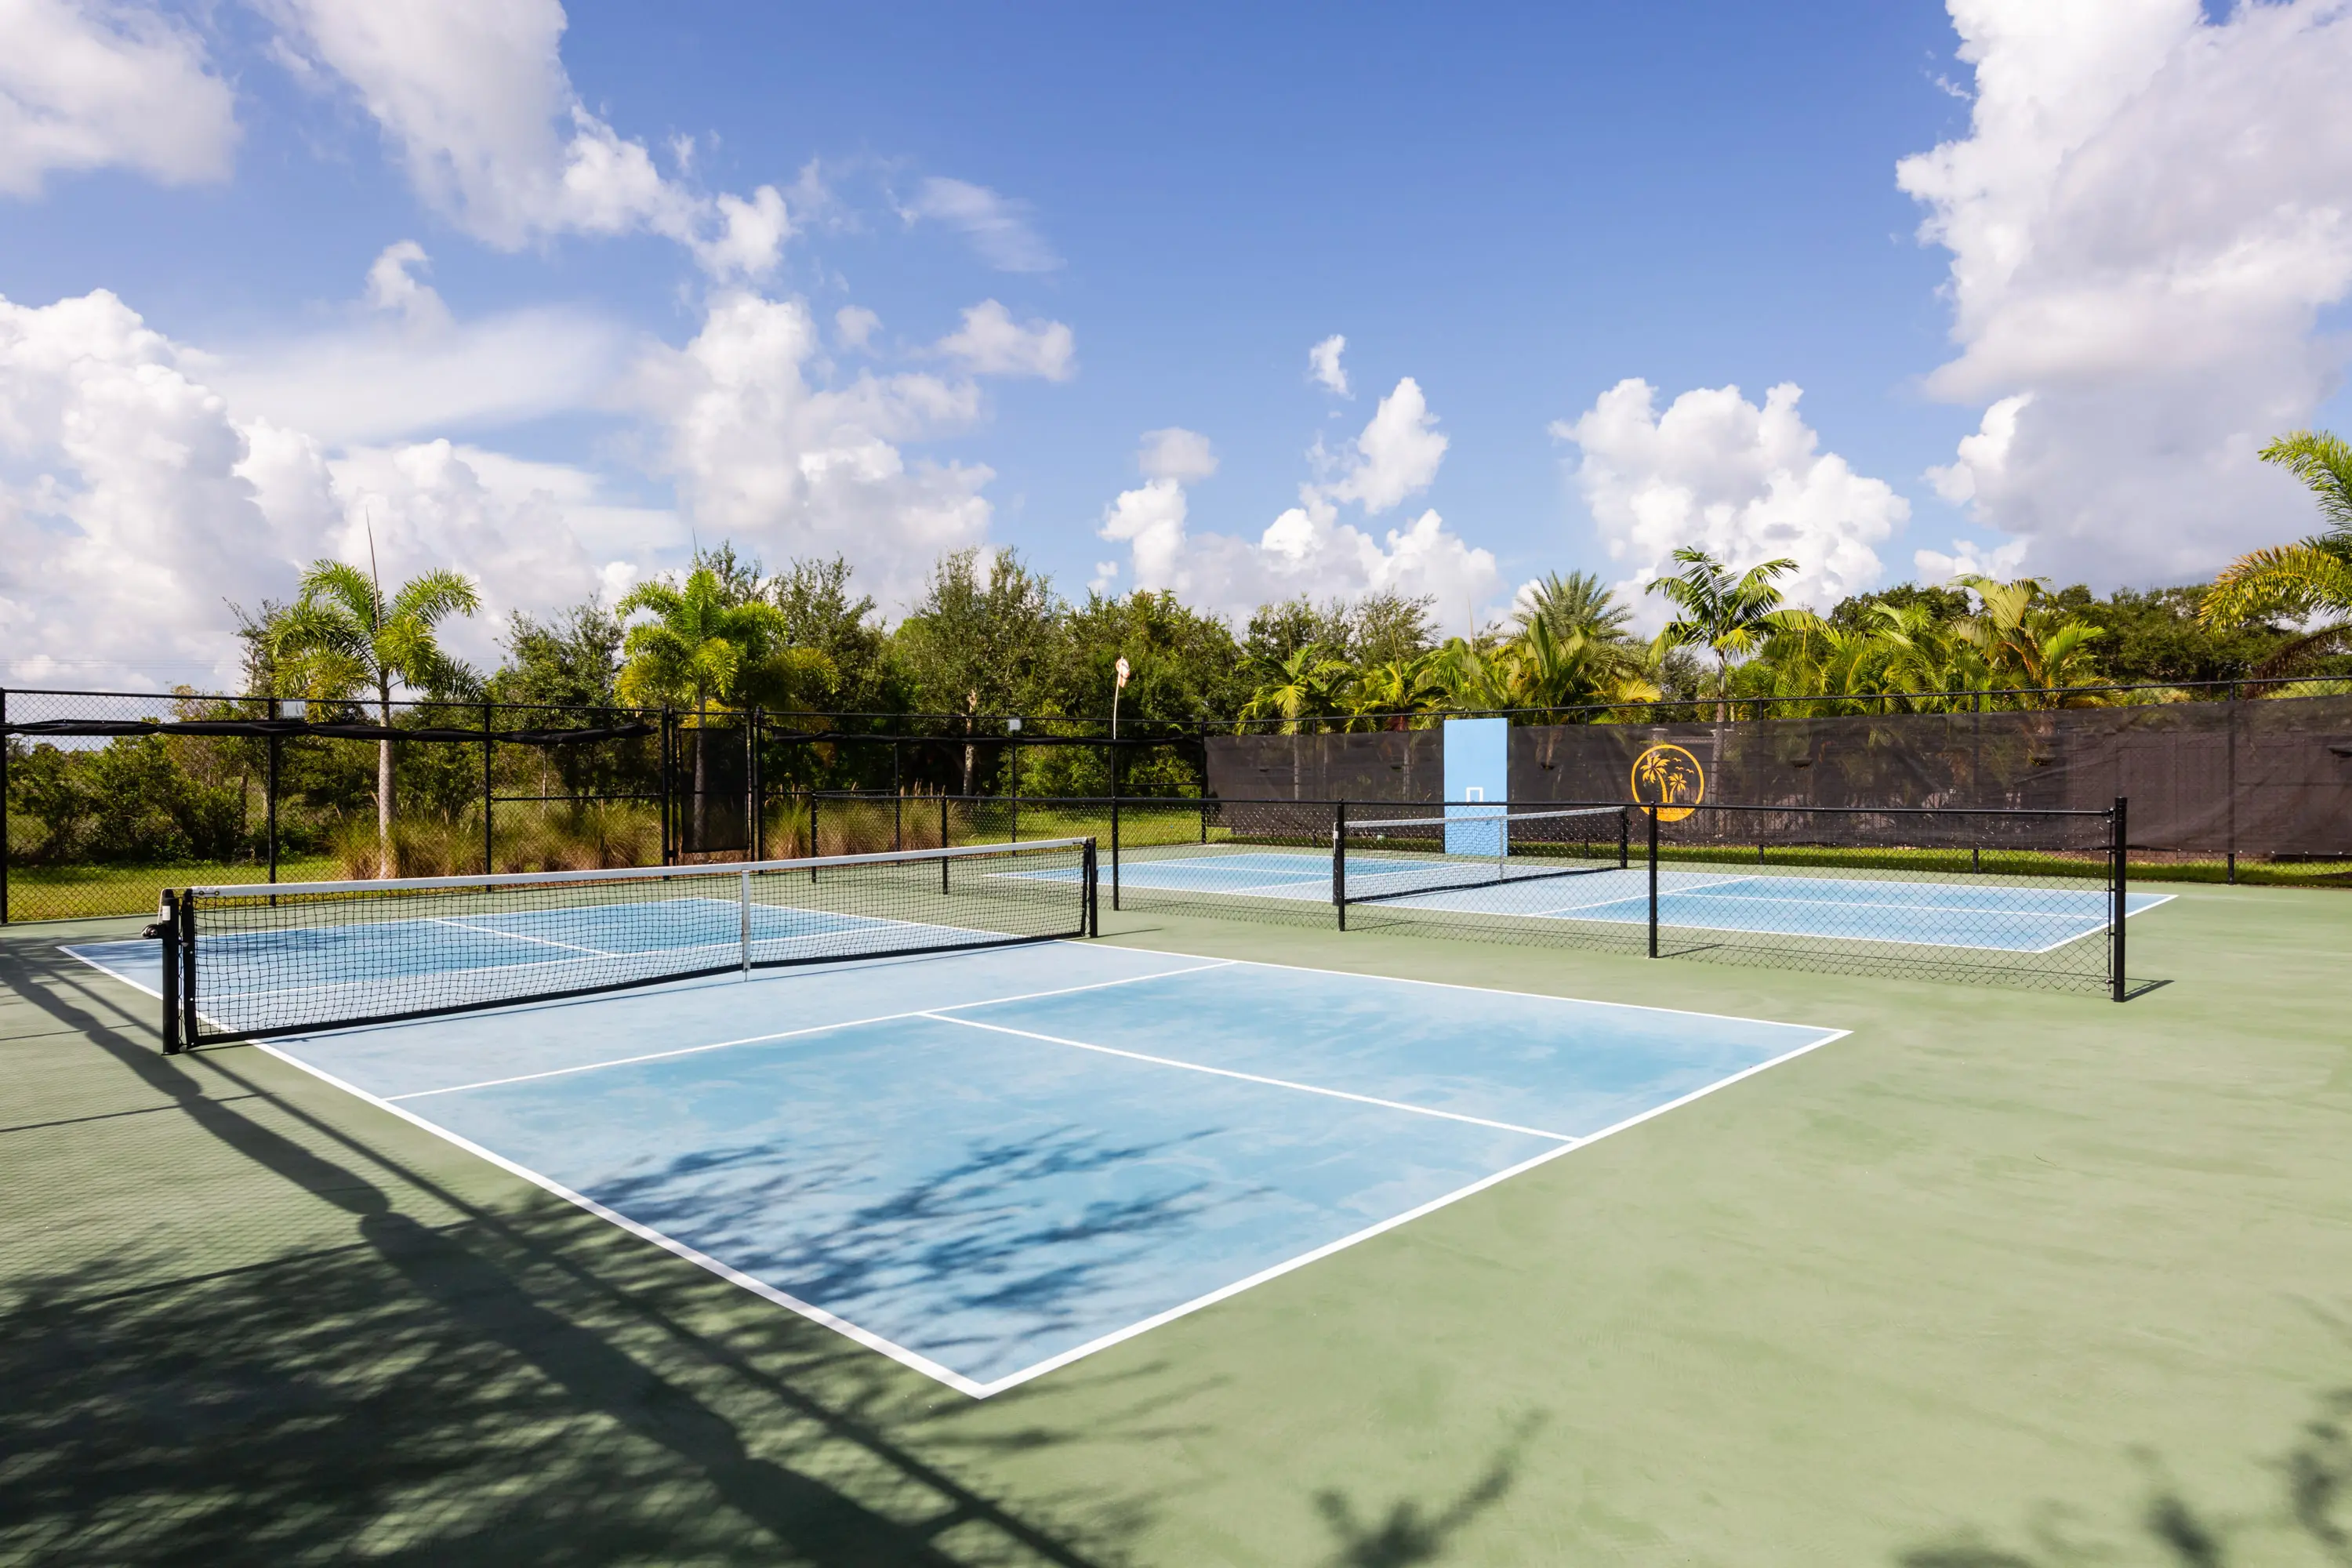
(1578, 605)
(1310, 681)
(2311, 576)
(2023, 642)
(1398, 688)
(709, 642)
(1726, 615)
(342, 636)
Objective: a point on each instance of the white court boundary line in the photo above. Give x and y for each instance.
(946, 1015)
(2153, 900)
(796, 1033)
(1458, 985)
(920, 1362)
(726, 1272)
(1392, 1222)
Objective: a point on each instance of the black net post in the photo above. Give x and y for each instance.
(943, 843)
(1095, 882)
(489, 787)
(2122, 878)
(185, 924)
(1114, 832)
(1339, 862)
(166, 930)
(814, 850)
(1653, 813)
(1624, 837)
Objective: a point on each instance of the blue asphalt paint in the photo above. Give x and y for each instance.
(988, 1163)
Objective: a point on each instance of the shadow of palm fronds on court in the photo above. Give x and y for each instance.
(2310, 1521)
(1408, 1532)
(429, 1379)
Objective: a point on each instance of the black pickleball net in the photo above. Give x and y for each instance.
(244, 962)
(1442, 848)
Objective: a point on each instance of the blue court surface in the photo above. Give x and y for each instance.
(2007, 917)
(987, 1164)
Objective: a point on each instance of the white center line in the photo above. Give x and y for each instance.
(796, 1033)
(1255, 1078)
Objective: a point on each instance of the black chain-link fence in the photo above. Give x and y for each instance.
(107, 798)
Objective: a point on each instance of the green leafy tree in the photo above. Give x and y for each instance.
(343, 636)
(571, 660)
(1728, 616)
(2313, 576)
(822, 614)
(979, 639)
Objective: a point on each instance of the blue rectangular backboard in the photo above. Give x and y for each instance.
(1477, 773)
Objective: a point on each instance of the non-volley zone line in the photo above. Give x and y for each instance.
(774, 1036)
(946, 1015)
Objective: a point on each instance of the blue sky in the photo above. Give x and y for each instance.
(567, 365)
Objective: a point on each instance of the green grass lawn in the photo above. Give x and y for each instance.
(2002, 1280)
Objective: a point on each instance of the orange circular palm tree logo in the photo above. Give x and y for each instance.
(1669, 781)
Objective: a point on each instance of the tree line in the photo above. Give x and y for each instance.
(990, 636)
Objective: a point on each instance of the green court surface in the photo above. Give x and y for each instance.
(2000, 1279)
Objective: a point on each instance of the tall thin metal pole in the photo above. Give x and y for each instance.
(2122, 895)
(1654, 881)
(668, 857)
(2233, 846)
(744, 905)
(755, 788)
(269, 796)
(489, 793)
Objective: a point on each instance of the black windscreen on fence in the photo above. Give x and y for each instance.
(2260, 777)
(711, 765)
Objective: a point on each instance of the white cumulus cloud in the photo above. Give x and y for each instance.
(990, 343)
(2148, 215)
(135, 498)
(1308, 548)
(477, 104)
(1323, 365)
(86, 84)
(1745, 483)
(1394, 455)
(765, 453)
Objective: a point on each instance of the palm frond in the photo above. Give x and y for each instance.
(2323, 461)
